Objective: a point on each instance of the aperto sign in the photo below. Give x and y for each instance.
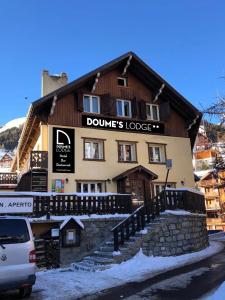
(123, 125)
(63, 150)
(16, 205)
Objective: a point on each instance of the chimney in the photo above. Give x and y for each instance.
(51, 83)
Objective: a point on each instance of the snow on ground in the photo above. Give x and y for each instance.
(217, 294)
(55, 284)
(180, 212)
(13, 123)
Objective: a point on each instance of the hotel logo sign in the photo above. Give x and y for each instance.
(63, 150)
(123, 125)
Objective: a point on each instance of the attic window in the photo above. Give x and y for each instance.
(121, 81)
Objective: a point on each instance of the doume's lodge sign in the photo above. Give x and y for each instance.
(123, 125)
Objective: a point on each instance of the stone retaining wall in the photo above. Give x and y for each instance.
(95, 232)
(176, 235)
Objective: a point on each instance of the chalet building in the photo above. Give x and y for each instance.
(212, 185)
(111, 130)
(6, 160)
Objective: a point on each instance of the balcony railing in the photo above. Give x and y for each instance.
(8, 178)
(39, 160)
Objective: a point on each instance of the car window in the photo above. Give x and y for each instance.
(13, 231)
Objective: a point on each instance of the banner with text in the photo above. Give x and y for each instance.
(123, 125)
(16, 205)
(63, 150)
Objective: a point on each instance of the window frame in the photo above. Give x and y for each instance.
(86, 139)
(125, 143)
(91, 104)
(150, 118)
(89, 182)
(130, 108)
(124, 80)
(161, 147)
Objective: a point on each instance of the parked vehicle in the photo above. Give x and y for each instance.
(17, 255)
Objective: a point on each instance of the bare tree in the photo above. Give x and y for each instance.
(217, 110)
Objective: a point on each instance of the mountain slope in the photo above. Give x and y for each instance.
(13, 123)
(10, 133)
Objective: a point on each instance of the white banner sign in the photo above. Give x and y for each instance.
(16, 205)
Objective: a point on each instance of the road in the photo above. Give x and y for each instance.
(186, 283)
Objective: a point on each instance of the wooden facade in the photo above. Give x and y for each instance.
(68, 110)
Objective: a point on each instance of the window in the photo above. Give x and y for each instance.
(13, 231)
(152, 112)
(91, 104)
(121, 81)
(158, 187)
(157, 153)
(93, 149)
(90, 187)
(127, 152)
(123, 108)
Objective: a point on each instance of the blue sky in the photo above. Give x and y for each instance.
(182, 40)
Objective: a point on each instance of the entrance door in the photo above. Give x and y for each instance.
(138, 189)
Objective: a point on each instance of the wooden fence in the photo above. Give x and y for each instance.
(64, 204)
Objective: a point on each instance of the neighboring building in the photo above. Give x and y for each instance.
(204, 159)
(5, 162)
(110, 130)
(213, 187)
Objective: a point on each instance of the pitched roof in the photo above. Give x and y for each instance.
(137, 66)
(140, 169)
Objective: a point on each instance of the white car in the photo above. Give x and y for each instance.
(17, 255)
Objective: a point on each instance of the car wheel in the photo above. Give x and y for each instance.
(25, 292)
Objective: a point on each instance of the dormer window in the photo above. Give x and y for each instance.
(121, 81)
(91, 104)
(152, 112)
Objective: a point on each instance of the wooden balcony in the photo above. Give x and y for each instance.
(8, 179)
(39, 160)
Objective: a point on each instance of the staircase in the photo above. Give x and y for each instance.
(129, 234)
(105, 256)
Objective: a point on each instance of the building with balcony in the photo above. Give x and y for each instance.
(111, 130)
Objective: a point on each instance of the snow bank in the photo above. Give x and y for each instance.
(77, 284)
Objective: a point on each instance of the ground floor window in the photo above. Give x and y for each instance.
(158, 187)
(90, 187)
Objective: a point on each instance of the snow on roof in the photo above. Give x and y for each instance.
(77, 220)
(202, 173)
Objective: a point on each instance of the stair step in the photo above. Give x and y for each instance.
(86, 268)
(107, 248)
(104, 254)
(100, 260)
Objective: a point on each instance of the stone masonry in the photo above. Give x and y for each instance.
(167, 235)
(176, 235)
(95, 232)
